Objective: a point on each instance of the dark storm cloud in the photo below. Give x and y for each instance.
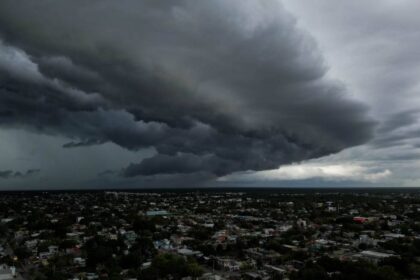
(9, 174)
(84, 143)
(214, 87)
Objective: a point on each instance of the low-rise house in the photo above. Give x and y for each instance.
(44, 255)
(229, 264)
(52, 249)
(188, 252)
(374, 256)
(81, 262)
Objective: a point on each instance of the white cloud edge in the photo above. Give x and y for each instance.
(314, 170)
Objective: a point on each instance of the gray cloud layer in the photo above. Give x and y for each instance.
(214, 87)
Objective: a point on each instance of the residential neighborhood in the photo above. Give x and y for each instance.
(210, 235)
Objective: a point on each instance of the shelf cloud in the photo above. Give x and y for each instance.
(213, 87)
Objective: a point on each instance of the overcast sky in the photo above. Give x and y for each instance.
(126, 94)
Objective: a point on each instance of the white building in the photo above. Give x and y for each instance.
(7, 273)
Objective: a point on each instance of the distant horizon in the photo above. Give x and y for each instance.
(313, 189)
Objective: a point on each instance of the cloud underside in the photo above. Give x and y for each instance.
(215, 87)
